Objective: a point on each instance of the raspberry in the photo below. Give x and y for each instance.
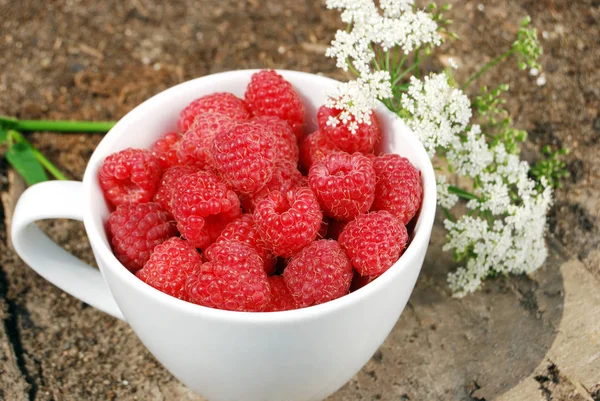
(285, 177)
(167, 184)
(374, 242)
(269, 94)
(286, 144)
(165, 150)
(314, 147)
(203, 205)
(169, 266)
(319, 273)
(288, 222)
(232, 279)
(281, 299)
(222, 103)
(245, 156)
(344, 184)
(136, 229)
(196, 144)
(243, 229)
(129, 176)
(399, 189)
(364, 140)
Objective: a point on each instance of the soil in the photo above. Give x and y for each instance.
(519, 338)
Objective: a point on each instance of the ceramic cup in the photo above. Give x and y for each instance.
(298, 355)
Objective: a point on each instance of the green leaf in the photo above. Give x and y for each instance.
(3, 136)
(22, 158)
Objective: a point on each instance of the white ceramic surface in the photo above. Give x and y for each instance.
(298, 355)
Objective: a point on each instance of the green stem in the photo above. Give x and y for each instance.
(462, 193)
(489, 65)
(402, 75)
(62, 126)
(375, 58)
(417, 63)
(52, 169)
(448, 214)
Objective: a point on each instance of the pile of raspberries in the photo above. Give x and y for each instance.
(241, 210)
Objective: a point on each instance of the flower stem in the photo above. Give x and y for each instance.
(58, 126)
(462, 193)
(52, 169)
(489, 65)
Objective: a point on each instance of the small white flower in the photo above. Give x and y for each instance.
(541, 81)
(452, 63)
(332, 121)
(534, 72)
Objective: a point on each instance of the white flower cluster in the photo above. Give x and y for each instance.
(357, 98)
(398, 26)
(503, 229)
(438, 111)
(507, 236)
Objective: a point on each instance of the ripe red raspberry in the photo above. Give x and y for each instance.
(281, 298)
(269, 94)
(129, 176)
(165, 150)
(245, 156)
(196, 144)
(286, 145)
(203, 205)
(319, 273)
(288, 222)
(223, 103)
(314, 147)
(167, 184)
(344, 184)
(243, 229)
(169, 266)
(232, 279)
(364, 140)
(136, 229)
(285, 177)
(399, 189)
(374, 242)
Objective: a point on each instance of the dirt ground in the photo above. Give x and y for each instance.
(520, 338)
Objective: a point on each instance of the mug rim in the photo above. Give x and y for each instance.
(420, 239)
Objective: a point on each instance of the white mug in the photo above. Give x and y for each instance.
(304, 354)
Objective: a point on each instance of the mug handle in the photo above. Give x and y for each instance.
(52, 200)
